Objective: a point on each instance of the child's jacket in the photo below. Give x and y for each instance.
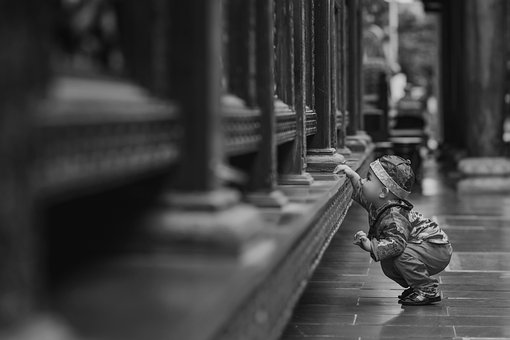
(395, 224)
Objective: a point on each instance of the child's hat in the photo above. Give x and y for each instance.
(395, 173)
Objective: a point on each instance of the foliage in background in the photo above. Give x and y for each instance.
(418, 45)
(375, 12)
(418, 40)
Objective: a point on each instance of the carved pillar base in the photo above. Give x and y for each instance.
(361, 134)
(345, 151)
(210, 200)
(203, 222)
(295, 179)
(42, 327)
(267, 199)
(358, 142)
(323, 160)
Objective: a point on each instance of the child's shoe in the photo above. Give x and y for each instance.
(419, 298)
(405, 294)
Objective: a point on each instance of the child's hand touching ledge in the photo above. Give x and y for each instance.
(344, 169)
(360, 239)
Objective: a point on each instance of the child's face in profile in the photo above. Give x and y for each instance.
(372, 186)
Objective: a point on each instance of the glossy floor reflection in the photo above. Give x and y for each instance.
(350, 298)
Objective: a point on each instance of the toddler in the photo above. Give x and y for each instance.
(409, 246)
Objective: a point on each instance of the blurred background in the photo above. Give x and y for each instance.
(166, 166)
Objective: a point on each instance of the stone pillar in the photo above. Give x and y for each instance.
(340, 71)
(294, 165)
(356, 140)
(485, 69)
(24, 66)
(198, 212)
(322, 156)
(264, 171)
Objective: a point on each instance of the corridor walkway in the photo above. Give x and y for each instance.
(350, 298)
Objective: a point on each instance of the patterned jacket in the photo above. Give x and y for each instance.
(396, 224)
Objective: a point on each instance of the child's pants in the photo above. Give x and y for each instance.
(414, 266)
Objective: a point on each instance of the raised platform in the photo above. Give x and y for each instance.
(161, 294)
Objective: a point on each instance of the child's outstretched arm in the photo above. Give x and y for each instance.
(355, 179)
(344, 169)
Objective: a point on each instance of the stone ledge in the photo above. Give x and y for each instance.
(163, 295)
(269, 306)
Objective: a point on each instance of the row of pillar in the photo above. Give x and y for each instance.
(198, 75)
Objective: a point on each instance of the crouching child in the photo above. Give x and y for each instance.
(409, 246)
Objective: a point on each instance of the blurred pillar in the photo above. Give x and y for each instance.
(24, 69)
(357, 140)
(200, 213)
(264, 172)
(196, 75)
(452, 55)
(485, 75)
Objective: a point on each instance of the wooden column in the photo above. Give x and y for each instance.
(355, 64)
(322, 155)
(309, 55)
(485, 69)
(353, 104)
(263, 177)
(358, 17)
(200, 212)
(196, 85)
(454, 122)
(356, 139)
(241, 50)
(342, 75)
(24, 66)
(284, 51)
(335, 104)
(293, 161)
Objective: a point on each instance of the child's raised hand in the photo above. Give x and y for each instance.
(342, 169)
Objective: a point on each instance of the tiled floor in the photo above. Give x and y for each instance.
(350, 298)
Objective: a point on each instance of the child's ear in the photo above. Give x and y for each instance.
(384, 193)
